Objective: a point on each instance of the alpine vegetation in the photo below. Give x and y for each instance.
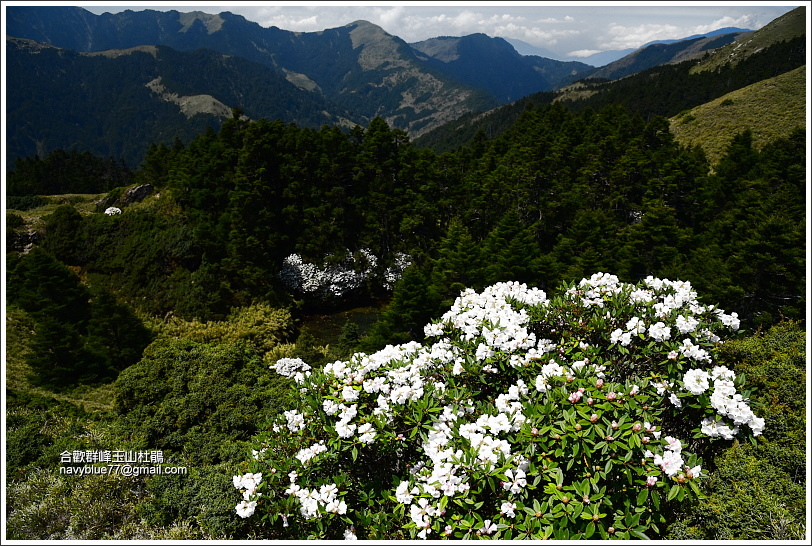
(522, 416)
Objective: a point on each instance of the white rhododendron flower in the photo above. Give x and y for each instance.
(696, 381)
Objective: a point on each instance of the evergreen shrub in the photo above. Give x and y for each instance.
(196, 399)
(581, 416)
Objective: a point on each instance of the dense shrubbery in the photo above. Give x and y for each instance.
(259, 326)
(526, 417)
(25, 202)
(195, 399)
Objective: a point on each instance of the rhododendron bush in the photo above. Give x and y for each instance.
(521, 417)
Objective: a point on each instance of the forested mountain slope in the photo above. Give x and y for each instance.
(353, 73)
(358, 66)
(577, 192)
(115, 103)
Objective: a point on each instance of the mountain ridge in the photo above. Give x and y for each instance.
(335, 63)
(356, 72)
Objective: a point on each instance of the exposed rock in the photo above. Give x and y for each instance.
(21, 242)
(192, 104)
(136, 194)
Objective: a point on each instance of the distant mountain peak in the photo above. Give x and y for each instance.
(364, 33)
(212, 22)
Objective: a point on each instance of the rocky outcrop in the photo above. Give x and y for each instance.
(133, 194)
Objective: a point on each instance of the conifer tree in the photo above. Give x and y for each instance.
(458, 264)
(512, 254)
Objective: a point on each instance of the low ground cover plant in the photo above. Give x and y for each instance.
(581, 415)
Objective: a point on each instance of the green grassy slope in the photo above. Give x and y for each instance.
(770, 109)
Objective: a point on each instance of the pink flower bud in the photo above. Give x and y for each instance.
(611, 396)
(599, 383)
(594, 417)
(636, 427)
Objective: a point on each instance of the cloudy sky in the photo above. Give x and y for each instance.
(567, 29)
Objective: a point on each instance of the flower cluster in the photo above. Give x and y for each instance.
(312, 500)
(671, 460)
(295, 368)
(395, 271)
(727, 402)
(248, 484)
(341, 278)
(112, 211)
(505, 378)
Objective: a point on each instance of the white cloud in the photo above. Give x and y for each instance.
(744, 21)
(389, 17)
(583, 53)
(623, 37)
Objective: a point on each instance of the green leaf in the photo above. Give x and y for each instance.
(655, 498)
(639, 534)
(642, 497)
(590, 530)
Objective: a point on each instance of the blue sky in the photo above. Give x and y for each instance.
(569, 29)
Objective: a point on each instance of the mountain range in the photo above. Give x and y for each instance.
(113, 83)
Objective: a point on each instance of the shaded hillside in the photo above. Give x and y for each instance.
(358, 66)
(661, 53)
(118, 102)
(494, 65)
(669, 89)
(664, 91)
(480, 125)
(770, 109)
